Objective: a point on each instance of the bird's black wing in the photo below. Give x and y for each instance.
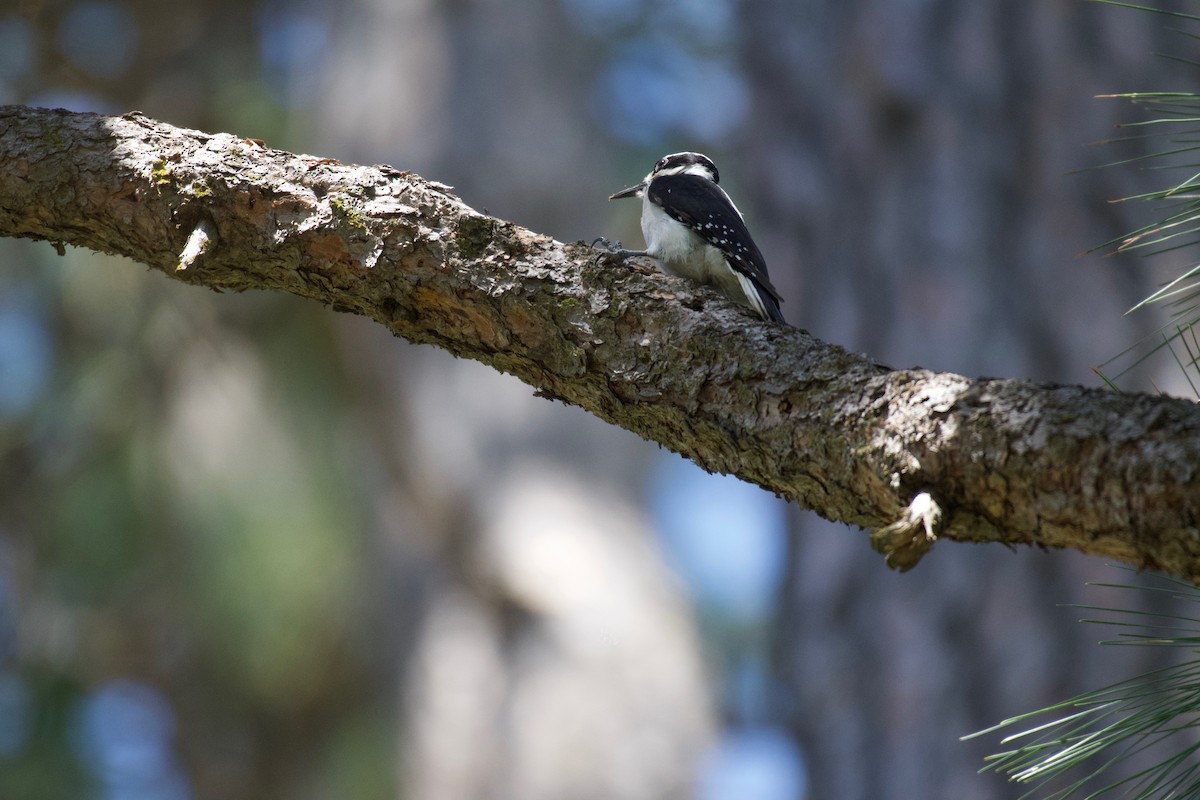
(704, 207)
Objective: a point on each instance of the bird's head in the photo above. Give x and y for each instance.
(674, 164)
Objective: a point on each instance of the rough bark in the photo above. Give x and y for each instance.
(1110, 474)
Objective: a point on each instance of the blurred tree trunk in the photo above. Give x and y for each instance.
(933, 223)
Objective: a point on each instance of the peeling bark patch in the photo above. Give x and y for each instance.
(328, 248)
(542, 340)
(461, 322)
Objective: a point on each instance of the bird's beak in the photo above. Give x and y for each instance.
(632, 191)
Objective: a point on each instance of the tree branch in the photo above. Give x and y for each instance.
(912, 454)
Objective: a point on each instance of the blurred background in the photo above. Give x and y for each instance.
(250, 548)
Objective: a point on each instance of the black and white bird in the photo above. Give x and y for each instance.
(694, 230)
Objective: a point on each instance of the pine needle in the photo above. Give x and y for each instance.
(1089, 735)
(1178, 231)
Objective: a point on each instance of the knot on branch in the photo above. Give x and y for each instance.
(906, 541)
(202, 239)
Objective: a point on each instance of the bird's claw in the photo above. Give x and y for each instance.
(602, 243)
(615, 250)
(606, 248)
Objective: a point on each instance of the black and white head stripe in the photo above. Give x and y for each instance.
(686, 163)
(699, 203)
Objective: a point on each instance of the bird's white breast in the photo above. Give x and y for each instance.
(681, 251)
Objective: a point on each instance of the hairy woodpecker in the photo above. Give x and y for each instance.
(694, 230)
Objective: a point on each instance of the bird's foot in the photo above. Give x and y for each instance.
(614, 250)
